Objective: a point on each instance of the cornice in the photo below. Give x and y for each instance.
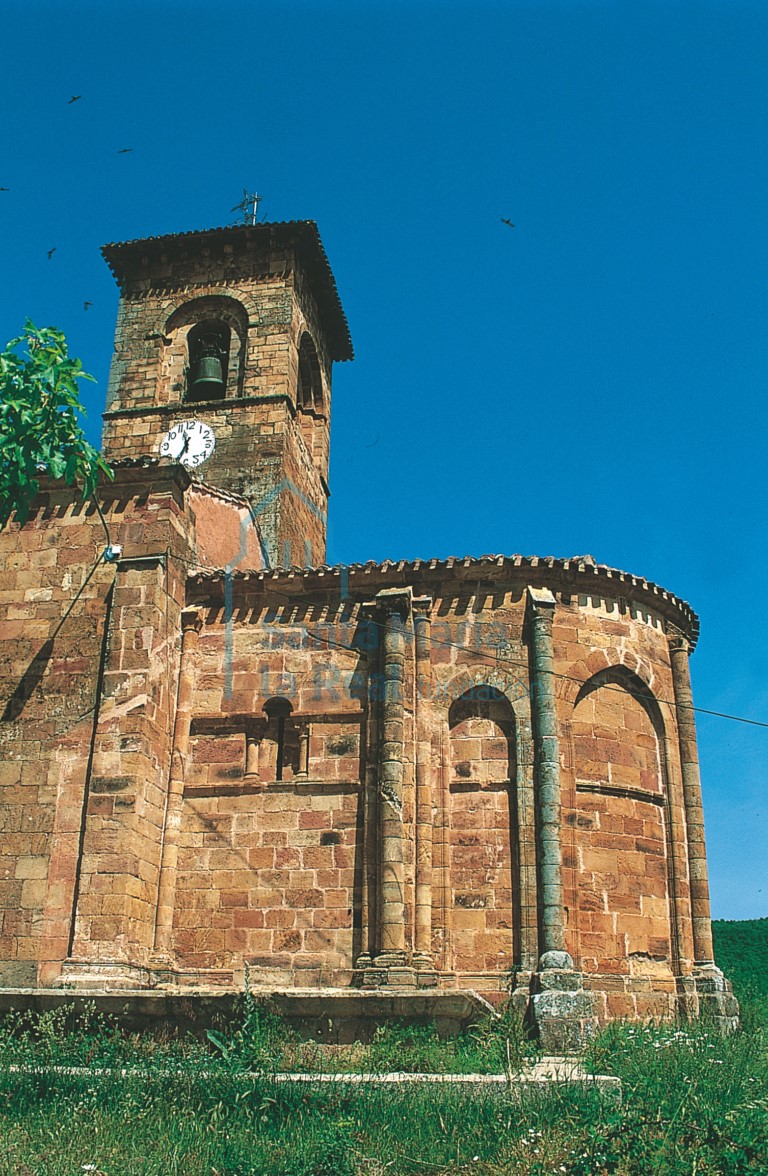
(577, 575)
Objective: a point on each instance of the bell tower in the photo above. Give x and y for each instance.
(224, 346)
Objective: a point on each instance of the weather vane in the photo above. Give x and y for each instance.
(248, 206)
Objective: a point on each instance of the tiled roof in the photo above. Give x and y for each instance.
(312, 255)
(589, 576)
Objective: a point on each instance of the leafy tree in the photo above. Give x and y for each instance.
(40, 431)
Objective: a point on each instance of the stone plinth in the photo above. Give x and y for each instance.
(561, 1010)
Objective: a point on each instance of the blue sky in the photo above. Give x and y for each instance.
(592, 380)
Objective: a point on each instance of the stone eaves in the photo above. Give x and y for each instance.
(579, 575)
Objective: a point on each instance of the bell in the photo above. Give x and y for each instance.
(208, 377)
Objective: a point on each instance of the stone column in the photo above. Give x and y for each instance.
(304, 733)
(442, 874)
(679, 882)
(561, 1010)
(392, 963)
(526, 855)
(542, 608)
(711, 990)
(422, 959)
(191, 624)
(252, 746)
(694, 813)
(369, 881)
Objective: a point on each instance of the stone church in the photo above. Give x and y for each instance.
(222, 756)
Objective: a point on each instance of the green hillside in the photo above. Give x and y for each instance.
(741, 950)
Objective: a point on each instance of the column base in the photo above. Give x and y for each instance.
(426, 973)
(390, 969)
(708, 994)
(560, 1010)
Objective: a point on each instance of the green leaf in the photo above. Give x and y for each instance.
(39, 420)
(70, 473)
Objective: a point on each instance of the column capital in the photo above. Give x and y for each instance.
(394, 601)
(422, 606)
(678, 642)
(541, 599)
(191, 620)
(541, 604)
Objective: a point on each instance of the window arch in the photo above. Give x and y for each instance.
(481, 725)
(312, 418)
(619, 826)
(281, 739)
(481, 823)
(212, 327)
(309, 393)
(618, 731)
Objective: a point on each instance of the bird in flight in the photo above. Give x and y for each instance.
(125, 150)
(86, 305)
(74, 98)
(5, 189)
(51, 252)
(506, 221)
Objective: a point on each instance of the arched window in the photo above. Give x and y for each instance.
(312, 417)
(617, 829)
(206, 336)
(481, 726)
(618, 732)
(479, 853)
(310, 386)
(282, 739)
(208, 344)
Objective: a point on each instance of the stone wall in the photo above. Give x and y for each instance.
(87, 680)
(335, 776)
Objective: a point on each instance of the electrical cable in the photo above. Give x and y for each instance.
(99, 560)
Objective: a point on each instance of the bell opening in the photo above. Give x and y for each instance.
(208, 358)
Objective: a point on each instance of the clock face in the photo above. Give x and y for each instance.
(190, 442)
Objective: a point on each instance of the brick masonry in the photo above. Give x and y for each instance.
(211, 767)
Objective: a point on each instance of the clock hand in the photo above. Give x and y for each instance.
(185, 446)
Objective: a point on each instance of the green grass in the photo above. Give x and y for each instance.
(694, 1103)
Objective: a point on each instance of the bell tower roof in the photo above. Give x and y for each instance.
(138, 264)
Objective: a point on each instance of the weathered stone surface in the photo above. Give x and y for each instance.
(558, 961)
(554, 980)
(564, 1021)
